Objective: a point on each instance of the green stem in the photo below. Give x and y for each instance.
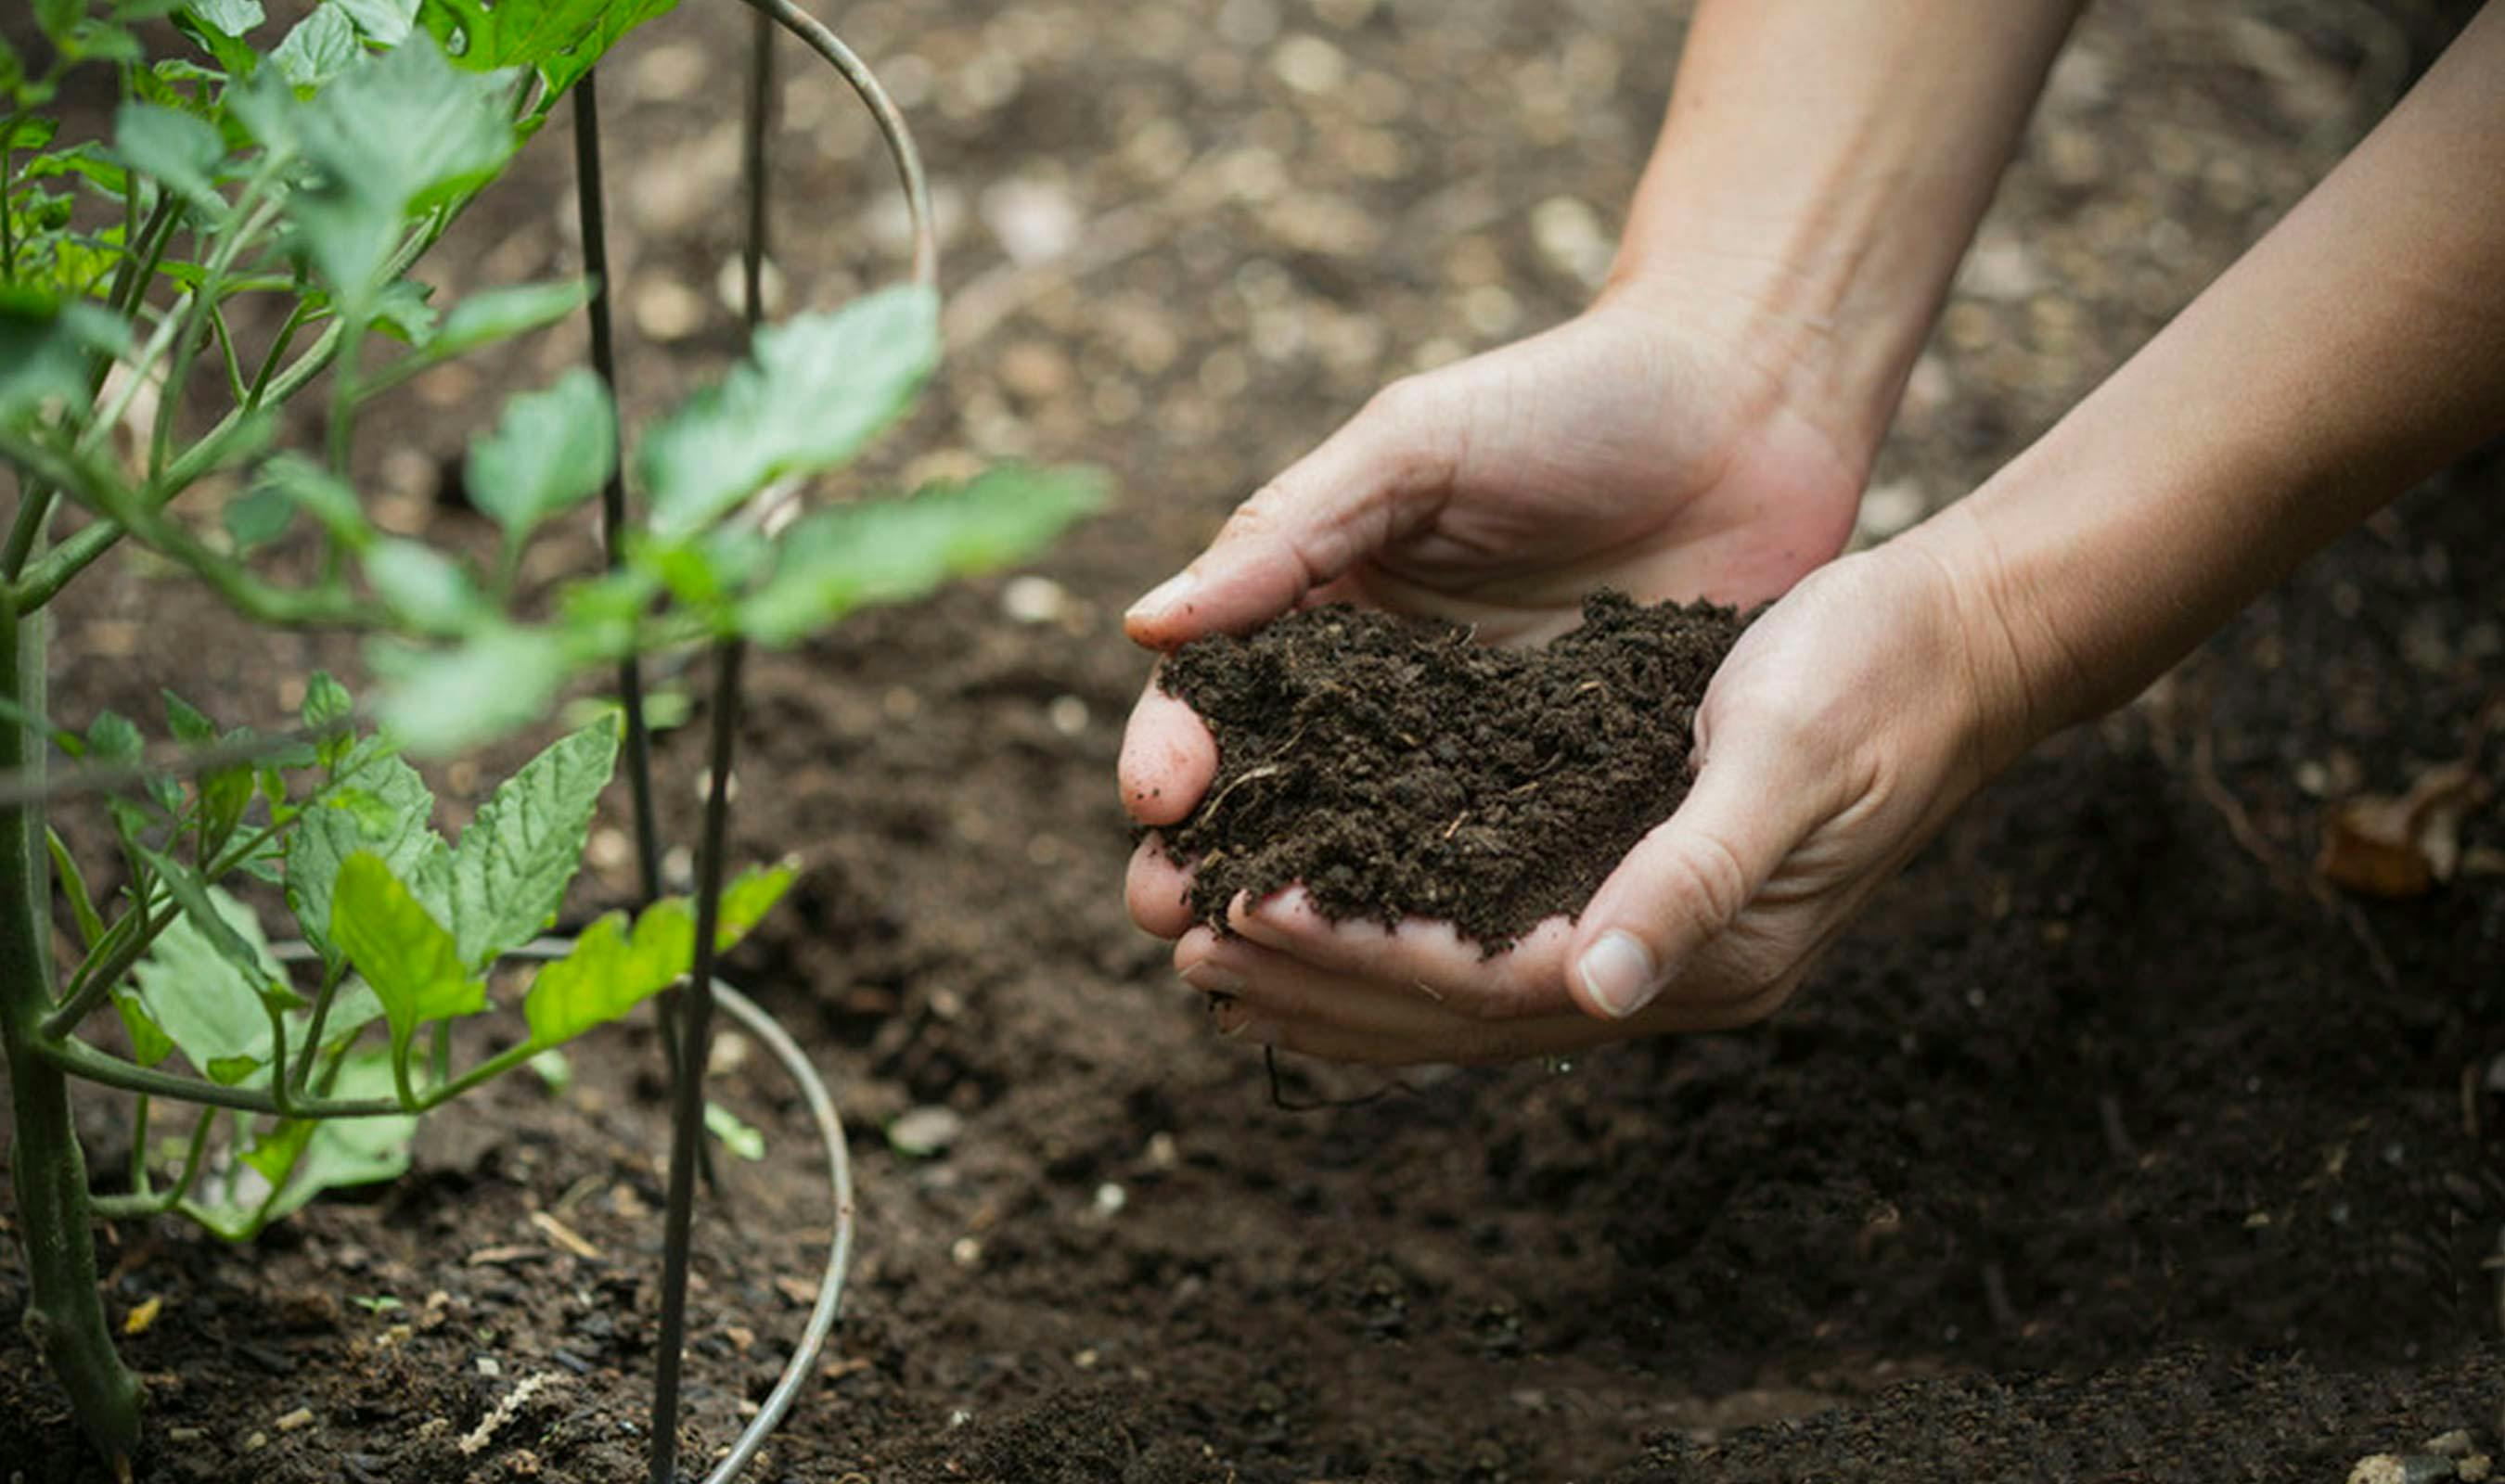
(34, 514)
(144, 1202)
(64, 1314)
(84, 1062)
(333, 976)
(89, 988)
(277, 352)
(139, 1107)
(212, 279)
(8, 168)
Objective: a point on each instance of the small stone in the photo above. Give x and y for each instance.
(1309, 64)
(1067, 715)
(1111, 1199)
(2476, 1468)
(965, 1252)
(1035, 220)
(2455, 1444)
(295, 1421)
(925, 1131)
(2402, 1469)
(489, 1366)
(1032, 600)
(1035, 369)
(667, 309)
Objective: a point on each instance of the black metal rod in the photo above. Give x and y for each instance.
(686, 1118)
(590, 205)
(752, 164)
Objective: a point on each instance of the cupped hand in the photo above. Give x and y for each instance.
(1634, 446)
(1848, 723)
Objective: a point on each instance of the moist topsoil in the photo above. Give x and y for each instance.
(1396, 769)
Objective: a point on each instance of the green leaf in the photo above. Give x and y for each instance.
(260, 517)
(385, 813)
(220, 27)
(179, 150)
(46, 348)
(319, 494)
(73, 884)
(812, 392)
(325, 712)
(403, 311)
(321, 47)
(610, 971)
(203, 981)
(552, 450)
(522, 849)
(149, 1043)
(235, 18)
(214, 917)
(300, 1158)
(491, 315)
(393, 134)
(426, 590)
(111, 739)
(189, 726)
(404, 954)
(850, 556)
(737, 1137)
(563, 38)
(497, 681)
(385, 22)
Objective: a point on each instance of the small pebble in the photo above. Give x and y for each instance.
(295, 1421)
(925, 1131)
(1033, 599)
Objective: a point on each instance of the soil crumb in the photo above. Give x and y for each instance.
(1396, 769)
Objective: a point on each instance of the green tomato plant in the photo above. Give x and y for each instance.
(298, 187)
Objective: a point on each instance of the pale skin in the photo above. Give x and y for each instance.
(1705, 429)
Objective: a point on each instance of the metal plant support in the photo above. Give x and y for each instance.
(686, 1014)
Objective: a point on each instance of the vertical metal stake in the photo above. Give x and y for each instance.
(686, 1117)
(686, 1121)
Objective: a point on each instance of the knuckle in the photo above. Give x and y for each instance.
(1714, 874)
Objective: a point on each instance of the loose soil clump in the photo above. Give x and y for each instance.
(1397, 770)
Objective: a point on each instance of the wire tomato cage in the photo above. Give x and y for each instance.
(686, 1014)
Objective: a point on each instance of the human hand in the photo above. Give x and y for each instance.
(1641, 445)
(1848, 723)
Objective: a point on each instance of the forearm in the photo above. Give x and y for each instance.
(2356, 349)
(1820, 173)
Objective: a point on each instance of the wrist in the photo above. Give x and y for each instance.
(1801, 339)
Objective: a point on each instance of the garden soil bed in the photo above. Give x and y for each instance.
(2106, 1145)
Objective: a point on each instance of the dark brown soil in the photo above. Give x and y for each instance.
(2101, 1149)
(1398, 770)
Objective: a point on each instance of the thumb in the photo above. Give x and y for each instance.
(1368, 484)
(1683, 884)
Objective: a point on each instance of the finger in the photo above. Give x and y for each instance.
(1283, 1002)
(1155, 888)
(1432, 957)
(1683, 885)
(1312, 523)
(1265, 984)
(1168, 758)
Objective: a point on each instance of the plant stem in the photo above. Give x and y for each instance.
(34, 512)
(64, 1314)
(144, 1202)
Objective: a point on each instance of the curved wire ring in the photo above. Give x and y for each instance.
(774, 503)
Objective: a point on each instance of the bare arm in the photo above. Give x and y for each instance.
(1820, 173)
(2360, 347)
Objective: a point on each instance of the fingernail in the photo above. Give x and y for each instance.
(1211, 978)
(1165, 597)
(1618, 974)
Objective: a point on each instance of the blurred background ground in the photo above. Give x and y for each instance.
(2104, 1148)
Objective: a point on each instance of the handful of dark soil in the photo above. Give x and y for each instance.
(1398, 770)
